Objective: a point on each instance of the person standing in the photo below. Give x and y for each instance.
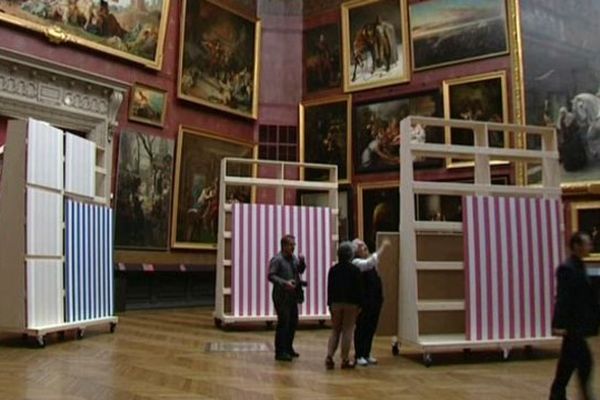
(368, 318)
(576, 317)
(344, 295)
(284, 272)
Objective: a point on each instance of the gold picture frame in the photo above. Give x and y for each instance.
(148, 104)
(387, 193)
(583, 216)
(363, 19)
(84, 29)
(320, 152)
(205, 76)
(194, 215)
(496, 104)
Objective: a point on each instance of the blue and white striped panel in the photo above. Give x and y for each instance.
(88, 261)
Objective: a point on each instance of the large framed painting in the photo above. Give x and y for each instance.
(445, 32)
(148, 105)
(325, 136)
(585, 217)
(219, 58)
(375, 43)
(143, 198)
(378, 210)
(476, 98)
(322, 58)
(130, 29)
(345, 220)
(195, 213)
(376, 131)
(561, 67)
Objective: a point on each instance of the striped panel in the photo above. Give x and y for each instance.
(256, 232)
(44, 155)
(512, 247)
(80, 166)
(44, 223)
(44, 293)
(88, 261)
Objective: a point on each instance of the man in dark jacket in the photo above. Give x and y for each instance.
(576, 316)
(284, 272)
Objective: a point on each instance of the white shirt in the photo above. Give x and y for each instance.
(366, 264)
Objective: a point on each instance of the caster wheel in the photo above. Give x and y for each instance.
(218, 323)
(61, 335)
(269, 324)
(41, 342)
(396, 349)
(321, 323)
(79, 334)
(113, 327)
(427, 360)
(529, 351)
(505, 354)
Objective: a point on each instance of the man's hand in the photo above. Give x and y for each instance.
(290, 285)
(559, 332)
(301, 259)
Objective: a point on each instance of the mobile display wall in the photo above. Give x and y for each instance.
(488, 281)
(55, 233)
(249, 235)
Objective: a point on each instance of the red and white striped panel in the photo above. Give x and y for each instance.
(512, 247)
(256, 232)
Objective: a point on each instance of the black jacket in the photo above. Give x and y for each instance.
(576, 309)
(281, 270)
(344, 284)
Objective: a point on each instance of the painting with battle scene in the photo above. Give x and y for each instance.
(195, 214)
(132, 29)
(143, 199)
(561, 66)
(445, 32)
(375, 42)
(376, 132)
(322, 58)
(218, 63)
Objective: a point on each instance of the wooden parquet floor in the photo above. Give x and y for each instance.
(160, 355)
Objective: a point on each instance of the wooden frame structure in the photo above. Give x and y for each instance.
(434, 324)
(266, 174)
(33, 294)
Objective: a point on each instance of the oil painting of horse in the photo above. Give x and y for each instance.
(375, 42)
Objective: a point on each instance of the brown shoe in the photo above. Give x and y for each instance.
(329, 364)
(347, 364)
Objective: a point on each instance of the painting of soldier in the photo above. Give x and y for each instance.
(561, 66)
(219, 58)
(322, 62)
(195, 214)
(132, 29)
(445, 32)
(143, 199)
(324, 136)
(376, 132)
(375, 42)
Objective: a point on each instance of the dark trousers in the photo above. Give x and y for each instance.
(574, 354)
(366, 324)
(287, 322)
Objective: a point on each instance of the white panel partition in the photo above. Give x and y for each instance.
(44, 293)
(44, 223)
(80, 164)
(44, 155)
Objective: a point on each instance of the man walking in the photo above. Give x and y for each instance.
(284, 272)
(576, 316)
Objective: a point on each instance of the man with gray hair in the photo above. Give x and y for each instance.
(366, 324)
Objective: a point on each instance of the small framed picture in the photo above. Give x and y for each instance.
(148, 105)
(585, 217)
